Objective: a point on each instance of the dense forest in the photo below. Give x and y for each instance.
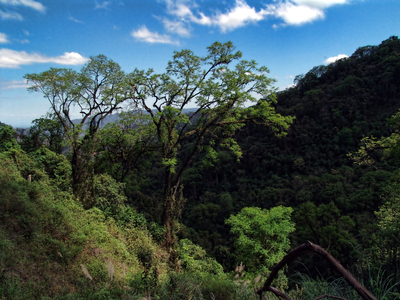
(166, 202)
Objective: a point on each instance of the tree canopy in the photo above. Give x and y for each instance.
(95, 92)
(220, 85)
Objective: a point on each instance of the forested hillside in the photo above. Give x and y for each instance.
(165, 203)
(309, 169)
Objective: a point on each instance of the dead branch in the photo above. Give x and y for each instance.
(310, 247)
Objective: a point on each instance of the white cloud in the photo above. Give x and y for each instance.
(282, 88)
(177, 27)
(103, 5)
(145, 35)
(14, 59)
(24, 41)
(320, 3)
(71, 18)
(26, 32)
(335, 58)
(28, 3)
(178, 8)
(293, 14)
(239, 15)
(13, 84)
(3, 38)
(10, 16)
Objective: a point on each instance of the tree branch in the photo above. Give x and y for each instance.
(362, 291)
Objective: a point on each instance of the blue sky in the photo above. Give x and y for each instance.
(287, 36)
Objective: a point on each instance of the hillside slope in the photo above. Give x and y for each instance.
(334, 200)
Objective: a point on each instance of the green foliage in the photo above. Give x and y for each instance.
(7, 137)
(193, 259)
(45, 235)
(262, 236)
(310, 164)
(98, 90)
(109, 194)
(219, 84)
(309, 289)
(379, 284)
(124, 146)
(47, 131)
(325, 226)
(382, 285)
(56, 166)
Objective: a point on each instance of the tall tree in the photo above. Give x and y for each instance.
(95, 92)
(220, 94)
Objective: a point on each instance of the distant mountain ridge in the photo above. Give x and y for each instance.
(114, 117)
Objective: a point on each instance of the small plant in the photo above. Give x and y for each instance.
(86, 272)
(382, 285)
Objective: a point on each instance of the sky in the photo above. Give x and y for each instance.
(289, 37)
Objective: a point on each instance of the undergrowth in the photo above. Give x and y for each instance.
(53, 248)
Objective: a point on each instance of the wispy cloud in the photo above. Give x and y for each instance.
(10, 16)
(177, 27)
(145, 35)
(292, 12)
(24, 41)
(3, 38)
(102, 5)
(184, 13)
(320, 3)
(28, 3)
(239, 15)
(335, 58)
(13, 84)
(15, 59)
(71, 18)
(26, 32)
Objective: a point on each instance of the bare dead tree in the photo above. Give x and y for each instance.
(310, 247)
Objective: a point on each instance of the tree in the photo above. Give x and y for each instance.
(262, 236)
(220, 94)
(385, 248)
(47, 131)
(123, 144)
(7, 137)
(96, 91)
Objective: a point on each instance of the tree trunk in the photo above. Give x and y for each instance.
(167, 219)
(76, 171)
(82, 177)
(170, 214)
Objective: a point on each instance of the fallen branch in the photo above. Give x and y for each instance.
(362, 291)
